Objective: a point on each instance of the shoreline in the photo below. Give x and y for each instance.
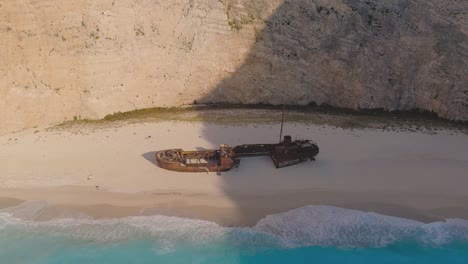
(412, 175)
(72, 201)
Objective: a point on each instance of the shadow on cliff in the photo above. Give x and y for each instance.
(340, 53)
(353, 54)
(288, 64)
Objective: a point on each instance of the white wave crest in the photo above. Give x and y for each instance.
(28, 210)
(306, 226)
(339, 227)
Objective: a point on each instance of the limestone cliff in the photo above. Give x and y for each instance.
(89, 58)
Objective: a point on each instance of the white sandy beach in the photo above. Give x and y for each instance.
(408, 174)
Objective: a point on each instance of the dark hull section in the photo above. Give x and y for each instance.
(291, 153)
(281, 163)
(253, 150)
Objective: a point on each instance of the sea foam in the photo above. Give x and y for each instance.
(339, 227)
(326, 226)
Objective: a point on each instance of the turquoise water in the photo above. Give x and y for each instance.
(312, 234)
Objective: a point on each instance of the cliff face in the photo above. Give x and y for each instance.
(393, 54)
(90, 58)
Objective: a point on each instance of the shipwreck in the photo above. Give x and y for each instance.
(285, 153)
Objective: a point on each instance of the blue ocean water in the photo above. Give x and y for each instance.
(312, 234)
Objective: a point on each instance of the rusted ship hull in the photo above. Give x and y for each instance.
(196, 161)
(284, 154)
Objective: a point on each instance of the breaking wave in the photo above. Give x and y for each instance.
(324, 226)
(339, 227)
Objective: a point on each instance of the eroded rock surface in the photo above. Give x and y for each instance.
(69, 59)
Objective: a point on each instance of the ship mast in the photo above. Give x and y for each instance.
(282, 122)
